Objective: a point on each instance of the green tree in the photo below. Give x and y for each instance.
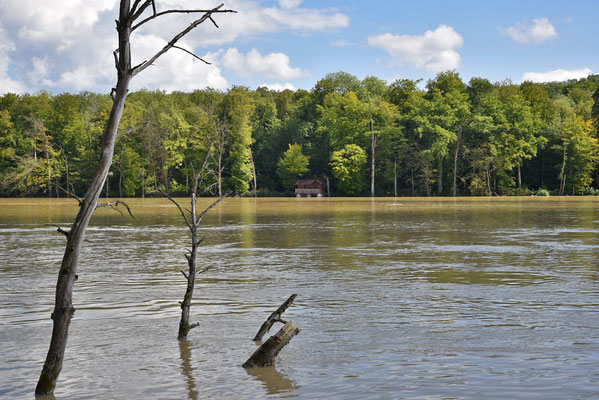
(293, 165)
(348, 168)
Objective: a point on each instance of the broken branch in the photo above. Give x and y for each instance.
(60, 230)
(274, 317)
(265, 354)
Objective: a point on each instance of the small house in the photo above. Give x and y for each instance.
(309, 187)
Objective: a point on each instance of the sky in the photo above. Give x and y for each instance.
(66, 45)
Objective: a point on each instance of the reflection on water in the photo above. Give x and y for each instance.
(397, 298)
(274, 381)
(187, 369)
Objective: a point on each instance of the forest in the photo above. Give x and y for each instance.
(362, 137)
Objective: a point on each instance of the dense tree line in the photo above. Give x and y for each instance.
(361, 136)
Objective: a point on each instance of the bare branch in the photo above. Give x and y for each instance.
(60, 230)
(70, 194)
(178, 206)
(114, 205)
(133, 129)
(193, 326)
(174, 40)
(189, 52)
(156, 15)
(184, 274)
(209, 208)
(140, 11)
(134, 7)
(154, 7)
(213, 21)
(204, 270)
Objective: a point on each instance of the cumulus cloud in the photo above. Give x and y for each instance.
(273, 65)
(433, 51)
(67, 45)
(252, 19)
(278, 87)
(540, 31)
(7, 84)
(557, 75)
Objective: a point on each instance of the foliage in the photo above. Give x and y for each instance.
(513, 137)
(348, 168)
(293, 165)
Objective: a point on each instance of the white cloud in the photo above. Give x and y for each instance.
(7, 84)
(290, 3)
(67, 45)
(40, 71)
(278, 87)
(540, 31)
(557, 75)
(251, 19)
(273, 65)
(433, 51)
(177, 70)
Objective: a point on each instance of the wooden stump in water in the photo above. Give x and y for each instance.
(274, 317)
(266, 353)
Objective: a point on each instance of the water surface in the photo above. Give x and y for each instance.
(397, 298)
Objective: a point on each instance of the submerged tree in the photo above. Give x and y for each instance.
(130, 19)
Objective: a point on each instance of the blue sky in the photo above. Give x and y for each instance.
(67, 45)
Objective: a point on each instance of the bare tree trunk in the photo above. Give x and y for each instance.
(373, 140)
(454, 187)
(562, 174)
(395, 176)
(488, 176)
(265, 354)
(63, 308)
(143, 182)
(519, 178)
(184, 325)
(412, 177)
(440, 180)
(253, 171)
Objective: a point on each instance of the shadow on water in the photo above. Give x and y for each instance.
(187, 369)
(274, 381)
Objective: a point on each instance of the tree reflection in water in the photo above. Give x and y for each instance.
(187, 369)
(273, 381)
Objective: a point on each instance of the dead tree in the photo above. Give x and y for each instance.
(130, 19)
(193, 221)
(266, 353)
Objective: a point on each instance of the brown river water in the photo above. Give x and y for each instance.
(467, 298)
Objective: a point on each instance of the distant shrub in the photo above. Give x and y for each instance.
(542, 192)
(590, 191)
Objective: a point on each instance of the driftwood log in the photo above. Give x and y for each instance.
(266, 353)
(274, 317)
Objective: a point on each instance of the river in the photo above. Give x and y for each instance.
(442, 298)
